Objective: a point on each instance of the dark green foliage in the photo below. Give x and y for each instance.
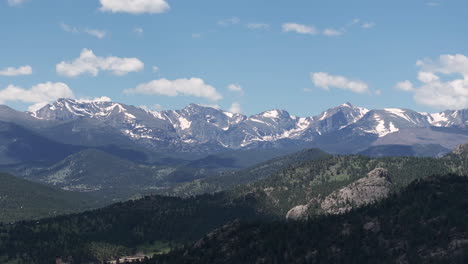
(429, 150)
(426, 223)
(229, 179)
(122, 227)
(314, 179)
(21, 199)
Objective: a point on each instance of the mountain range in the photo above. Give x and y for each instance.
(200, 129)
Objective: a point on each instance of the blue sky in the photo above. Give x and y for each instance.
(303, 56)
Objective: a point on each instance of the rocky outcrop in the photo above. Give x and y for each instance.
(377, 185)
(297, 213)
(461, 150)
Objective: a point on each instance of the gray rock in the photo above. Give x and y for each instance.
(297, 213)
(377, 185)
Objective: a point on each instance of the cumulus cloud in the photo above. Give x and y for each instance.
(235, 108)
(39, 94)
(443, 82)
(135, 6)
(326, 81)
(12, 71)
(180, 87)
(95, 99)
(236, 88)
(258, 26)
(88, 63)
(299, 28)
(16, 2)
(405, 86)
(100, 34)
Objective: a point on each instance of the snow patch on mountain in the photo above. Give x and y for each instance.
(381, 128)
(184, 123)
(400, 113)
(271, 114)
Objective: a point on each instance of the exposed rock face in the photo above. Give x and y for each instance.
(377, 185)
(297, 213)
(461, 150)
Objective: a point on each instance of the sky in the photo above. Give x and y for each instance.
(245, 56)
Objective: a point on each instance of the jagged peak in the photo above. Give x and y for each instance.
(347, 104)
(197, 106)
(275, 113)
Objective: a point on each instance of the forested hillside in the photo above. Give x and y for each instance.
(21, 199)
(426, 223)
(125, 228)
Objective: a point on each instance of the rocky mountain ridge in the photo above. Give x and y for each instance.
(206, 129)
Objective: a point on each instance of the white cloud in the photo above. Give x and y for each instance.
(258, 26)
(155, 69)
(100, 34)
(299, 28)
(236, 88)
(368, 25)
(156, 107)
(184, 87)
(135, 6)
(405, 86)
(196, 35)
(139, 30)
(451, 91)
(330, 32)
(326, 81)
(235, 108)
(16, 2)
(68, 28)
(92, 64)
(95, 99)
(12, 71)
(432, 4)
(39, 94)
(229, 21)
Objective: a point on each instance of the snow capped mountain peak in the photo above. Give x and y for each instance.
(275, 114)
(347, 104)
(69, 109)
(199, 126)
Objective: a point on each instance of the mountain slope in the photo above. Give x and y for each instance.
(103, 174)
(229, 179)
(425, 223)
(19, 145)
(123, 226)
(21, 199)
